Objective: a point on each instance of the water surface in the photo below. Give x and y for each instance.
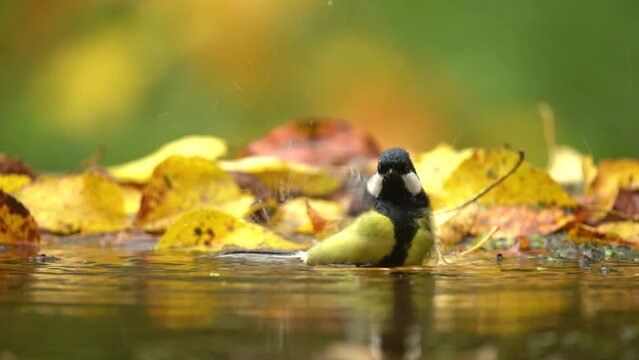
(105, 301)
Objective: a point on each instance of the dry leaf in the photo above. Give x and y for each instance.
(308, 216)
(88, 203)
(316, 142)
(11, 183)
(210, 230)
(286, 177)
(140, 170)
(10, 165)
(183, 183)
(437, 165)
(612, 175)
(526, 186)
(626, 230)
(17, 226)
(521, 220)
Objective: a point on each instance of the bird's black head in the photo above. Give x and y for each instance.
(396, 182)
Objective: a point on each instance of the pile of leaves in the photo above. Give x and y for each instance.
(305, 181)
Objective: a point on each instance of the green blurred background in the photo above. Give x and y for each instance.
(131, 75)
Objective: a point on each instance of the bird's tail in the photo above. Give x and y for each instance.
(267, 253)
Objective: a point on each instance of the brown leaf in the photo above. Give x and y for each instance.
(17, 226)
(10, 165)
(516, 221)
(316, 141)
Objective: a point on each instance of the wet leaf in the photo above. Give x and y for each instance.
(316, 141)
(612, 175)
(211, 230)
(140, 170)
(286, 177)
(88, 203)
(526, 186)
(308, 216)
(11, 183)
(516, 221)
(183, 183)
(17, 226)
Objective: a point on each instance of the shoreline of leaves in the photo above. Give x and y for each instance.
(198, 201)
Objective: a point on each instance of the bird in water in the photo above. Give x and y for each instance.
(398, 230)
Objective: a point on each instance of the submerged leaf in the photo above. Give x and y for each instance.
(17, 226)
(183, 183)
(11, 183)
(286, 177)
(210, 230)
(140, 170)
(316, 142)
(88, 203)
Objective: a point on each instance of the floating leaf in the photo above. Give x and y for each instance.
(316, 141)
(211, 230)
(88, 203)
(183, 183)
(13, 182)
(308, 216)
(526, 186)
(284, 176)
(140, 170)
(17, 226)
(613, 174)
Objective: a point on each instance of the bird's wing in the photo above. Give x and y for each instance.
(423, 241)
(366, 241)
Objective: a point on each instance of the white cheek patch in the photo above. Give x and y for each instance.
(374, 185)
(412, 183)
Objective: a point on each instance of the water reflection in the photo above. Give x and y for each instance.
(147, 305)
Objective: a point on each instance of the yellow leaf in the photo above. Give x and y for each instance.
(294, 216)
(284, 176)
(183, 183)
(88, 203)
(526, 186)
(437, 165)
(568, 166)
(10, 183)
(17, 226)
(612, 175)
(627, 230)
(210, 230)
(132, 199)
(140, 170)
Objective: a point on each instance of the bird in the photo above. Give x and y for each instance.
(397, 231)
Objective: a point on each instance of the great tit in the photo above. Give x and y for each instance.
(399, 229)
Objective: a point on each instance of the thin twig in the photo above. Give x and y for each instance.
(487, 188)
(481, 242)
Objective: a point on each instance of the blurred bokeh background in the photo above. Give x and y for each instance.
(131, 75)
